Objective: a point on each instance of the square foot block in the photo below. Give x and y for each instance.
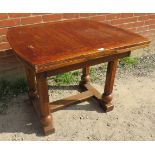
(48, 130)
(107, 107)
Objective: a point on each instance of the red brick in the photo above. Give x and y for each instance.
(102, 13)
(98, 18)
(70, 15)
(15, 15)
(107, 21)
(113, 16)
(131, 25)
(8, 23)
(142, 18)
(139, 14)
(3, 31)
(144, 28)
(152, 16)
(124, 20)
(87, 14)
(137, 24)
(35, 14)
(152, 27)
(3, 16)
(4, 46)
(31, 20)
(52, 17)
(126, 15)
(150, 22)
(153, 32)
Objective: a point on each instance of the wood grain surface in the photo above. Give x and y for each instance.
(59, 42)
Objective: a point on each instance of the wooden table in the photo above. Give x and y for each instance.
(57, 47)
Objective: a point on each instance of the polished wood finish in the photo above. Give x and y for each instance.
(85, 79)
(42, 92)
(52, 48)
(31, 83)
(50, 44)
(91, 62)
(107, 95)
(60, 104)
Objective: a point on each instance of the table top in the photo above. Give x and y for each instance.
(52, 42)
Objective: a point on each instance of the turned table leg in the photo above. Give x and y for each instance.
(110, 77)
(85, 78)
(31, 83)
(43, 99)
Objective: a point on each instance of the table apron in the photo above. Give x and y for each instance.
(87, 63)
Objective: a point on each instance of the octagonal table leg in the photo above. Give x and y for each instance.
(43, 104)
(110, 77)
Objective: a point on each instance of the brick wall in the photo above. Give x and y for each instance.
(142, 23)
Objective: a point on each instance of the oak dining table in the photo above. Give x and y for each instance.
(48, 49)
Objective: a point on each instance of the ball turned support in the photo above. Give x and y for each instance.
(43, 101)
(38, 94)
(85, 78)
(106, 102)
